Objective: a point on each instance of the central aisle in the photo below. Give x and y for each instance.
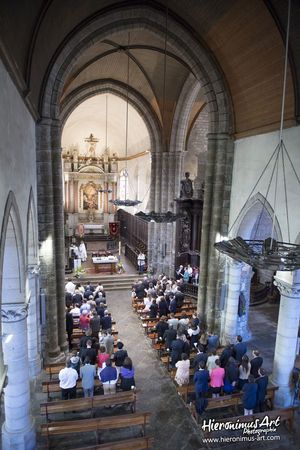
(171, 423)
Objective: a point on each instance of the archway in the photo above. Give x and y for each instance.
(204, 68)
(32, 292)
(18, 429)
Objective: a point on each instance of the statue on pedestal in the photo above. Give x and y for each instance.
(186, 187)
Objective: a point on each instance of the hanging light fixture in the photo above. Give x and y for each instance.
(169, 216)
(126, 201)
(268, 253)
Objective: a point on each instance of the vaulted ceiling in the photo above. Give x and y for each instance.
(244, 37)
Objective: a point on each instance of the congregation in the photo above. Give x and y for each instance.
(195, 351)
(98, 355)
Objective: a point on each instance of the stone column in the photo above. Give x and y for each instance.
(242, 325)
(232, 302)
(152, 182)
(164, 186)
(18, 431)
(58, 211)
(157, 181)
(214, 224)
(45, 197)
(288, 284)
(33, 324)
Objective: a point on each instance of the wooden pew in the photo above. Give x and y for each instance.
(89, 404)
(50, 387)
(63, 428)
(54, 369)
(142, 443)
(226, 400)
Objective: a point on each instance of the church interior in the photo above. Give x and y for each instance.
(149, 140)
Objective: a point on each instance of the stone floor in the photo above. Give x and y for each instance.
(171, 423)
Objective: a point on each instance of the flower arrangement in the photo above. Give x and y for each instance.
(120, 267)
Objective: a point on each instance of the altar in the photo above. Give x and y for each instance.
(91, 228)
(105, 264)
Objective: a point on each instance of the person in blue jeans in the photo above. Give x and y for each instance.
(87, 374)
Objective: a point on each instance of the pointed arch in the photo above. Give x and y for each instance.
(256, 209)
(31, 234)
(12, 258)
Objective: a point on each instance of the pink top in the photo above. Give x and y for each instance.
(217, 377)
(102, 357)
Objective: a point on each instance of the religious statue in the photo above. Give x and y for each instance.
(186, 187)
(92, 148)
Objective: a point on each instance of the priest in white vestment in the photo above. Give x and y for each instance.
(82, 254)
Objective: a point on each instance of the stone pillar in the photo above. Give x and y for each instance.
(46, 225)
(164, 186)
(33, 324)
(232, 302)
(152, 182)
(18, 431)
(157, 180)
(242, 325)
(58, 211)
(214, 224)
(288, 284)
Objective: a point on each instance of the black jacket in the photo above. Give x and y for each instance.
(256, 364)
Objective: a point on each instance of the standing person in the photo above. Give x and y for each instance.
(75, 361)
(95, 323)
(82, 251)
(183, 370)
(161, 327)
(141, 262)
(127, 375)
(89, 352)
(70, 286)
(217, 379)
(67, 381)
(87, 374)
(225, 355)
(84, 320)
(249, 396)
(69, 326)
(240, 349)
(102, 357)
(211, 360)
(201, 379)
(106, 321)
(176, 350)
(212, 341)
(262, 385)
(109, 377)
(194, 335)
(108, 341)
(120, 355)
(256, 363)
(244, 371)
(179, 272)
(153, 309)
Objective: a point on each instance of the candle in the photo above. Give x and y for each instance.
(120, 248)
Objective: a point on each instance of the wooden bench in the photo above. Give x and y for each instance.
(90, 403)
(63, 428)
(50, 387)
(54, 369)
(232, 400)
(286, 417)
(142, 443)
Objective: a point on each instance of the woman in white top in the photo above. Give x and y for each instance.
(244, 371)
(183, 370)
(211, 361)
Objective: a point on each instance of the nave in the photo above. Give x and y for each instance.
(171, 423)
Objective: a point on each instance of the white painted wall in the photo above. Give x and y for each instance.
(17, 149)
(250, 157)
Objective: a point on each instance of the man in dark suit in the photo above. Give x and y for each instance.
(201, 379)
(179, 297)
(240, 349)
(256, 363)
(176, 350)
(262, 384)
(225, 355)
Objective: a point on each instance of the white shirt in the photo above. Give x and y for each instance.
(67, 378)
(75, 311)
(70, 287)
